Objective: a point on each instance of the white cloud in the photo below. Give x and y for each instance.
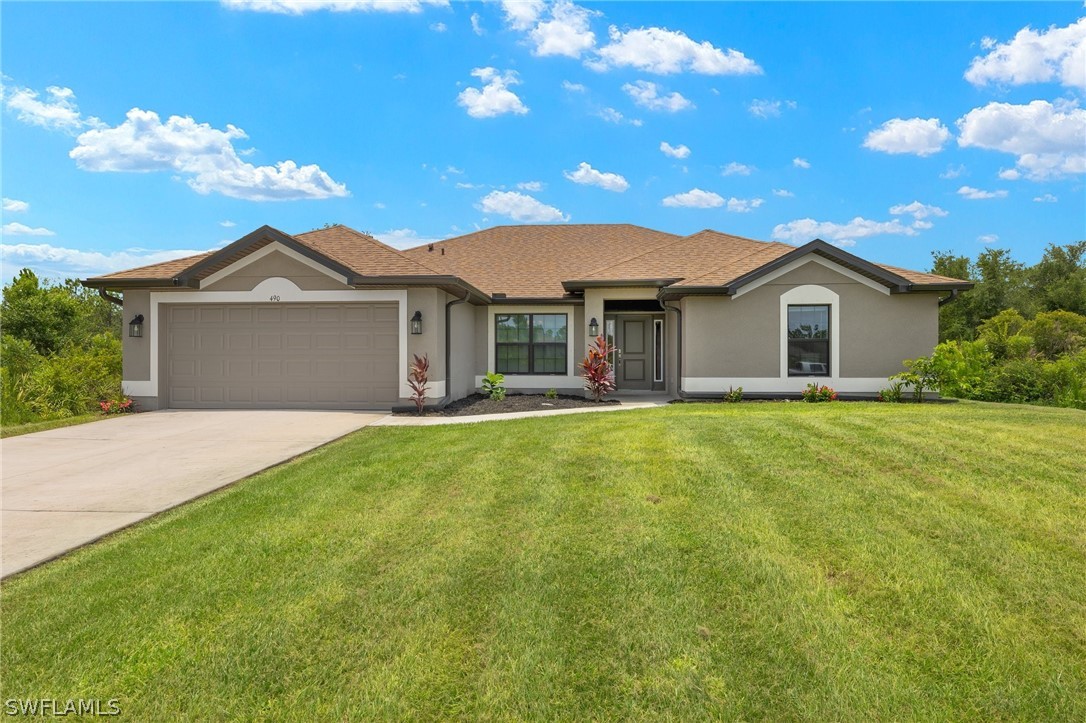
(298, 7)
(679, 151)
(59, 262)
(494, 98)
(769, 108)
(1046, 198)
(477, 24)
(647, 95)
(975, 194)
(143, 143)
(914, 135)
(610, 115)
(783, 193)
(1034, 57)
(589, 176)
(736, 169)
(530, 186)
(58, 111)
(13, 206)
(1049, 140)
(439, 27)
(694, 198)
(988, 238)
(917, 210)
(953, 171)
(804, 230)
(18, 229)
(663, 51)
(520, 207)
(567, 33)
(522, 14)
(227, 224)
(743, 205)
(801, 162)
(378, 205)
(454, 170)
(573, 87)
(461, 184)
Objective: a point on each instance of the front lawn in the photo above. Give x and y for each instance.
(763, 561)
(14, 430)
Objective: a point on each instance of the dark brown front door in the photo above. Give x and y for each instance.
(633, 361)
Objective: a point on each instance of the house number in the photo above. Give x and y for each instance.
(273, 297)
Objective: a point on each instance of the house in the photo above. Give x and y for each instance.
(331, 318)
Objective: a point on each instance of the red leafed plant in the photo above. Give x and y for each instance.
(599, 377)
(419, 380)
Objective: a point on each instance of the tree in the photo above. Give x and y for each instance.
(42, 314)
(1058, 281)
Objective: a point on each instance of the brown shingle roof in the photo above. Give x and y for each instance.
(164, 270)
(533, 261)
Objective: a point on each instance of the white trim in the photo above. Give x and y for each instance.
(538, 381)
(273, 247)
(788, 385)
(435, 390)
(286, 292)
(793, 265)
(491, 336)
(811, 294)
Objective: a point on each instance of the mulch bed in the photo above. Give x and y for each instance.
(480, 404)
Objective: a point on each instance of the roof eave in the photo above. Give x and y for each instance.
(582, 284)
(104, 282)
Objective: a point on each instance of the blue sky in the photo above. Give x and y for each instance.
(135, 132)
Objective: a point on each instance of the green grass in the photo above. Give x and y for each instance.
(763, 561)
(14, 430)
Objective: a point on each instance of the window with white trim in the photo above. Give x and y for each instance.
(809, 340)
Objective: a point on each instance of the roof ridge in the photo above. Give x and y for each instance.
(540, 225)
(735, 261)
(365, 237)
(676, 240)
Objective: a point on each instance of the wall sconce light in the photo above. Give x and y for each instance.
(593, 327)
(135, 327)
(416, 323)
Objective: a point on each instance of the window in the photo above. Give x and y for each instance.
(530, 344)
(808, 340)
(658, 350)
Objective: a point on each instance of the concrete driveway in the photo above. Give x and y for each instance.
(66, 487)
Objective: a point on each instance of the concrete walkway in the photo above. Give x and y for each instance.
(412, 421)
(66, 487)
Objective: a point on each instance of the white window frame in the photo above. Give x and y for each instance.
(532, 381)
(811, 294)
(658, 345)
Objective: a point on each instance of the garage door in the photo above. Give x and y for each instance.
(306, 356)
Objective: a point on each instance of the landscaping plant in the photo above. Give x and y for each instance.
(494, 386)
(419, 380)
(733, 395)
(814, 393)
(599, 376)
(552, 393)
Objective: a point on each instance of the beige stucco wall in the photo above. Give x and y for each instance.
(461, 349)
(740, 337)
(483, 339)
(431, 342)
(305, 277)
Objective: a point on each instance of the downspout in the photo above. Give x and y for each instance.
(953, 295)
(678, 346)
(448, 345)
(111, 298)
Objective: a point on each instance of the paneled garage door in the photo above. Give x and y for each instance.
(307, 356)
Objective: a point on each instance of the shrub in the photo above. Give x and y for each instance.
(418, 378)
(814, 393)
(997, 330)
(552, 393)
(1056, 333)
(599, 377)
(895, 393)
(921, 375)
(122, 405)
(494, 386)
(733, 395)
(1065, 380)
(961, 368)
(1017, 380)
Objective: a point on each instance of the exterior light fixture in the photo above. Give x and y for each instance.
(135, 327)
(416, 323)
(593, 327)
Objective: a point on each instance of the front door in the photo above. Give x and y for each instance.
(633, 359)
